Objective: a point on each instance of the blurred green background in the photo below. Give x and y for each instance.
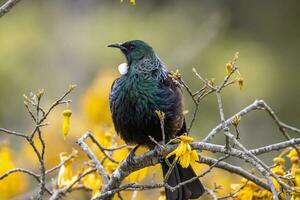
(51, 44)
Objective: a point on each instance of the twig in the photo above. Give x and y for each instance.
(102, 149)
(59, 165)
(224, 125)
(232, 194)
(13, 133)
(91, 155)
(57, 194)
(5, 8)
(15, 170)
(211, 193)
(235, 169)
(256, 105)
(115, 148)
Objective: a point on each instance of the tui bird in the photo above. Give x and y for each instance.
(134, 98)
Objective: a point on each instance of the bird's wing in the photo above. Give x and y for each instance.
(183, 128)
(175, 104)
(111, 103)
(111, 92)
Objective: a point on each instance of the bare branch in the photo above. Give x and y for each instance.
(102, 149)
(15, 170)
(5, 8)
(91, 155)
(13, 133)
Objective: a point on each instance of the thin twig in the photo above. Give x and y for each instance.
(5, 8)
(102, 149)
(15, 170)
(23, 135)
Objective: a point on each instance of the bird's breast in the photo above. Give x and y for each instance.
(133, 103)
(134, 99)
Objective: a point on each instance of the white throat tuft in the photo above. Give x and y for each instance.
(123, 68)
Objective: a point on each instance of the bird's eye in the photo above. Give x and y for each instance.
(131, 47)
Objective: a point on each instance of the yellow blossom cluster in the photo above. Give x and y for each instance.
(93, 180)
(184, 153)
(230, 69)
(65, 174)
(289, 173)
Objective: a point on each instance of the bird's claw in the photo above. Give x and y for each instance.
(131, 155)
(158, 149)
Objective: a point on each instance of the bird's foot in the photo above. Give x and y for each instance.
(131, 155)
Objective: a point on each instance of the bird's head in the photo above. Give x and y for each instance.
(134, 50)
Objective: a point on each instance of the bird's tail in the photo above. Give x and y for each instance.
(191, 190)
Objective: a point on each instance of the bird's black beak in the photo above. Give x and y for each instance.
(117, 45)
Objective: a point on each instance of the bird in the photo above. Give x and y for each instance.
(144, 87)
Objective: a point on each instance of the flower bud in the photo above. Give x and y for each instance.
(240, 81)
(228, 68)
(66, 122)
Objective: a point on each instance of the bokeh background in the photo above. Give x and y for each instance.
(51, 44)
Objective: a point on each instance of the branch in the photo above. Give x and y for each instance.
(102, 149)
(59, 165)
(234, 169)
(91, 155)
(256, 105)
(25, 171)
(57, 194)
(5, 8)
(13, 133)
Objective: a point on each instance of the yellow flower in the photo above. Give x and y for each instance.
(65, 174)
(66, 122)
(240, 81)
(93, 182)
(295, 165)
(175, 75)
(228, 68)
(279, 160)
(236, 120)
(278, 170)
(292, 153)
(183, 153)
(248, 192)
(297, 177)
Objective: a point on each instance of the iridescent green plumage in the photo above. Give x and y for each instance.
(135, 97)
